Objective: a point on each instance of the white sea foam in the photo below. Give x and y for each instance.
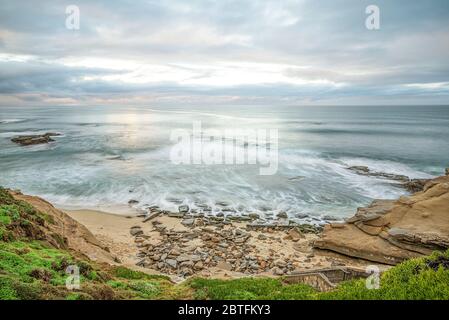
(128, 158)
(5, 121)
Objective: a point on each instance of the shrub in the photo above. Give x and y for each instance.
(411, 280)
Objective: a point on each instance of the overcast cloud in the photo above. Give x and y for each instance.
(290, 52)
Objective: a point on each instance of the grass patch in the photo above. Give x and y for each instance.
(125, 273)
(142, 289)
(29, 261)
(249, 289)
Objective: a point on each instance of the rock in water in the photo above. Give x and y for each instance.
(365, 171)
(360, 169)
(390, 231)
(415, 185)
(282, 215)
(183, 209)
(35, 139)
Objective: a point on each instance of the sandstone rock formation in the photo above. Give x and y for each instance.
(389, 231)
(411, 185)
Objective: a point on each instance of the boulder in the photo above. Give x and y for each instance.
(278, 271)
(390, 231)
(282, 215)
(295, 235)
(183, 209)
(198, 266)
(135, 231)
(254, 216)
(188, 222)
(152, 215)
(415, 185)
(171, 263)
(224, 265)
(183, 258)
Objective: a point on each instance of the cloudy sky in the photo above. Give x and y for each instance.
(200, 52)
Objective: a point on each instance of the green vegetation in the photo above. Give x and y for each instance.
(416, 279)
(249, 289)
(33, 262)
(126, 273)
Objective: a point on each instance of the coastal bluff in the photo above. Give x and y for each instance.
(390, 231)
(62, 231)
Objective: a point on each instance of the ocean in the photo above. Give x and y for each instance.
(107, 156)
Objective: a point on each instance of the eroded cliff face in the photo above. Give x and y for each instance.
(63, 232)
(390, 231)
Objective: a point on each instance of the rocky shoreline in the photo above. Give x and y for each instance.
(242, 245)
(411, 185)
(184, 244)
(390, 231)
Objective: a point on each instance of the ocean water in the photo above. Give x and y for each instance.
(107, 156)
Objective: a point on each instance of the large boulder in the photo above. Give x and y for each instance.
(389, 231)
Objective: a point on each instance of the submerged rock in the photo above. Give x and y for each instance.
(35, 139)
(363, 170)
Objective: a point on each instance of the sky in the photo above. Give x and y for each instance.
(220, 52)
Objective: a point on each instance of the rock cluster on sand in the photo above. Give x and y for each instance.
(35, 139)
(206, 242)
(389, 231)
